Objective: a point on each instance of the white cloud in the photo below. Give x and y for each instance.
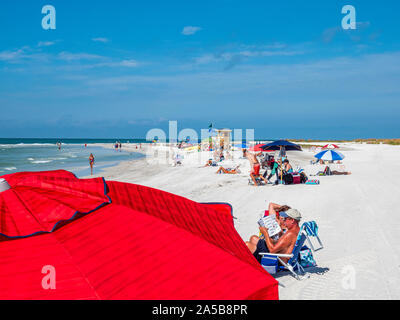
(124, 63)
(46, 43)
(128, 63)
(11, 55)
(67, 56)
(229, 56)
(189, 30)
(104, 40)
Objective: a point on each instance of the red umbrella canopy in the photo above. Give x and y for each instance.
(257, 148)
(330, 146)
(41, 202)
(122, 241)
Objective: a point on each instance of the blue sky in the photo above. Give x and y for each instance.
(119, 68)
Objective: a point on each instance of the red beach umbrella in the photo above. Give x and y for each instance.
(330, 146)
(113, 240)
(257, 148)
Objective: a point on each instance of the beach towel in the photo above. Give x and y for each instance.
(311, 228)
(312, 181)
(306, 257)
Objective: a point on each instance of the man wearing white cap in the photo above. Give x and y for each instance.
(285, 244)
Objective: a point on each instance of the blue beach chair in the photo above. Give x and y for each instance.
(311, 229)
(307, 230)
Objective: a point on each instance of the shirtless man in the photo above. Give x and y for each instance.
(275, 209)
(255, 166)
(285, 244)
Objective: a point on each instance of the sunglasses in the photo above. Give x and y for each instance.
(284, 219)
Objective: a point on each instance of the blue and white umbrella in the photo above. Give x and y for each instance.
(329, 155)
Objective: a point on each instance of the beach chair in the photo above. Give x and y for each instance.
(259, 181)
(307, 230)
(311, 229)
(293, 265)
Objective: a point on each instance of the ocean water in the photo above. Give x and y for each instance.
(18, 155)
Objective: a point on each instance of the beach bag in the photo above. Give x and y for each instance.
(303, 177)
(296, 178)
(287, 178)
(306, 257)
(270, 264)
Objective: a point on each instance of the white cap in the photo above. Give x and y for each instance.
(291, 213)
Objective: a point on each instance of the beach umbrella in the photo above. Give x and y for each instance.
(258, 148)
(279, 144)
(329, 155)
(114, 240)
(330, 146)
(282, 146)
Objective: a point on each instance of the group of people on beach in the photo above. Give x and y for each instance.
(118, 145)
(270, 165)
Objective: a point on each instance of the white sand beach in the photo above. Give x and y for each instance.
(357, 214)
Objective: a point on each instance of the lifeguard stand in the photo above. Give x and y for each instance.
(223, 138)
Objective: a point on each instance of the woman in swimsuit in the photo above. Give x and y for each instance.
(287, 167)
(91, 162)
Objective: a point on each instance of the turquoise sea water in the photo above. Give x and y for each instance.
(18, 155)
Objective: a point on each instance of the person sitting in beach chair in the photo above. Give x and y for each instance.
(287, 167)
(286, 242)
(229, 170)
(275, 209)
(273, 166)
(301, 257)
(255, 168)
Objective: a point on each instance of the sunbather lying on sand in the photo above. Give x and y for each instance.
(334, 172)
(229, 170)
(285, 244)
(329, 172)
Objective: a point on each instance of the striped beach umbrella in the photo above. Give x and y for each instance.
(329, 155)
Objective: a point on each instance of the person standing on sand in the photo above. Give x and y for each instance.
(254, 165)
(91, 163)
